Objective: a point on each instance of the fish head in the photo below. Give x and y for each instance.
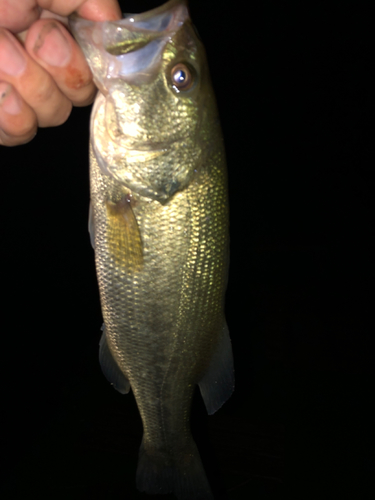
(147, 122)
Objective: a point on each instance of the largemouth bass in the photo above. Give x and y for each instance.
(159, 227)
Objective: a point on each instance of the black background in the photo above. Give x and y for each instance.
(295, 90)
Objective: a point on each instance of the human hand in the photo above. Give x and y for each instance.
(43, 73)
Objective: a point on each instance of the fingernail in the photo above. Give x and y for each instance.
(52, 46)
(12, 61)
(9, 100)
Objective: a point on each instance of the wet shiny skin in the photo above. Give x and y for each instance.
(160, 223)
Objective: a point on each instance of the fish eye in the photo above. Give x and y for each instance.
(182, 77)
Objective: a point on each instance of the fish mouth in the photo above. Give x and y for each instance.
(129, 48)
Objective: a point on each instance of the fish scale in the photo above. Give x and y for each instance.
(159, 226)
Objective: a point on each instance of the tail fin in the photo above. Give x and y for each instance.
(181, 474)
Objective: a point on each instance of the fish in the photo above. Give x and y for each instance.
(159, 225)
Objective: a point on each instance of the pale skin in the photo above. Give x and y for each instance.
(43, 72)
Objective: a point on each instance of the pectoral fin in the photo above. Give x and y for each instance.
(110, 368)
(124, 238)
(217, 384)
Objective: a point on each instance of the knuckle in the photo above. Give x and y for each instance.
(19, 127)
(44, 90)
(85, 97)
(22, 125)
(26, 130)
(11, 140)
(64, 113)
(56, 114)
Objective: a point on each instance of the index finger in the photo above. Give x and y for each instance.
(93, 10)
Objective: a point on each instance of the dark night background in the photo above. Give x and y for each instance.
(295, 90)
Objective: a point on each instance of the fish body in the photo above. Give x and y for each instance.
(159, 227)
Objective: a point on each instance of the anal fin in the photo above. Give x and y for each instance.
(217, 384)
